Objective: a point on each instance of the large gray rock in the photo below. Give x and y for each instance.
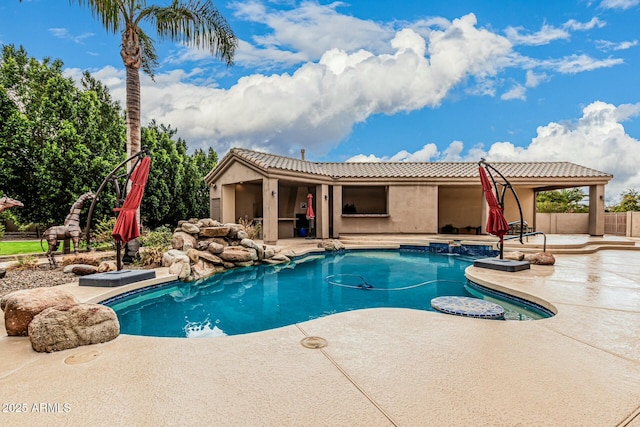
(202, 271)
(207, 222)
(70, 326)
(515, 255)
(20, 307)
(215, 248)
(540, 258)
(84, 270)
(172, 256)
(194, 255)
(237, 254)
(181, 267)
(183, 241)
(215, 231)
(248, 243)
(210, 258)
(107, 266)
(190, 228)
(331, 245)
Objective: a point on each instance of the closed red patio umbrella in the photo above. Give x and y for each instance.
(310, 214)
(126, 228)
(496, 222)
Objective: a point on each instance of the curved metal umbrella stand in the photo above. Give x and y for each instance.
(498, 201)
(120, 196)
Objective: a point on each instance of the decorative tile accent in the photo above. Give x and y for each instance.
(512, 298)
(469, 307)
(466, 250)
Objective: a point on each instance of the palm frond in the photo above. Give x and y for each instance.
(196, 23)
(148, 52)
(111, 13)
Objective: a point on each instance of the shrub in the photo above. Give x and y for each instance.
(80, 259)
(154, 244)
(160, 237)
(253, 228)
(101, 238)
(26, 262)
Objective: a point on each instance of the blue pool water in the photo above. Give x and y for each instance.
(265, 297)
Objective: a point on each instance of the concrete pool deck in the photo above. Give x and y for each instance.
(380, 367)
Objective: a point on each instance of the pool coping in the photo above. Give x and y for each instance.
(580, 367)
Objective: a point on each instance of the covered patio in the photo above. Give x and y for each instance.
(384, 198)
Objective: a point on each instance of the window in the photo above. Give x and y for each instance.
(364, 199)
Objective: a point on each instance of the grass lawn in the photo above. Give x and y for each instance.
(27, 247)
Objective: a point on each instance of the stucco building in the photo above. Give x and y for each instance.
(393, 197)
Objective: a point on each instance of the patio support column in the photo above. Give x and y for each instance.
(322, 211)
(228, 204)
(337, 210)
(596, 210)
(270, 211)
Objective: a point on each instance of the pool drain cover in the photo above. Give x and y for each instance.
(77, 358)
(314, 342)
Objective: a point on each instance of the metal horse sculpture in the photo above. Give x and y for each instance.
(70, 230)
(8, 203)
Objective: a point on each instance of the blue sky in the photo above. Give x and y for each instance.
(385, 81)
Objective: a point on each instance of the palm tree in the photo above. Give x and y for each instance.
(195, 23)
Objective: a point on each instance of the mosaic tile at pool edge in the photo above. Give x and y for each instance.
(467, 250)
(470, 307)
(530, 304)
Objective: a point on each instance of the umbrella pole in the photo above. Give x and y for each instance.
(119, 260)
(501, 247)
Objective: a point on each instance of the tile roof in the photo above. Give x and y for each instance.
(416, 169)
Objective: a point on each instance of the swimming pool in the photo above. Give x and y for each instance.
(265, 297)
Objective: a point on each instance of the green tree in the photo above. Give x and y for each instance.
(195, 22)
(57, 141)
(175, 189)
(630, 202)
(558, 201)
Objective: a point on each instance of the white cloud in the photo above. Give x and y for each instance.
(63, 33)
(597, 140)
(578, 63)
(533, 79)
(516, 92)
(549, 33)
(427, 153)
(574, 25)
(619, 4)
(316, 106)
(546, 35)
(606, 45)
(310, 30)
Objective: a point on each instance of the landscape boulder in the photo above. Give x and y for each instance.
(215, 248)
(515, 256)
(181, 267)
(210, 258)
(106, 266)
(182, 241)
(69, 326)
(190, 228)
(239, 254)
(331, 245)
(540, 258)
(20, 307)
(84, 270)
(215, 231)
